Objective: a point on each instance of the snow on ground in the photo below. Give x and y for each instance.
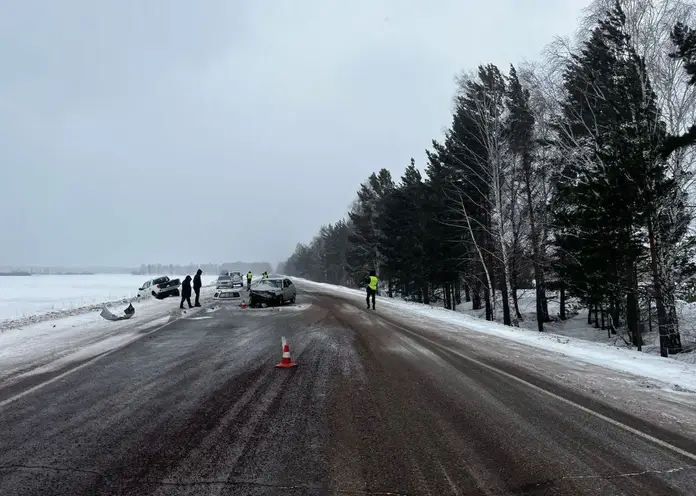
(32, 299)
(21, 296)
(678, 374)
(576, 325)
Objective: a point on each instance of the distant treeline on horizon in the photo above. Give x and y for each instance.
(44, 272)
(209, 268)
(145, 269)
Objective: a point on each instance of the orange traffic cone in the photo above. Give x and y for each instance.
(286, 362)
(244, 305)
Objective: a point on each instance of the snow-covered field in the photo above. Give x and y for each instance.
(675, 374)
(33, 296)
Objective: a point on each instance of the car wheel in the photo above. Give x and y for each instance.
(292, 300)
(281, 301)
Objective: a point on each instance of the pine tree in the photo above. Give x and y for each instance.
(366, 217)
(446, 241)
(684, 39)
(616, 179)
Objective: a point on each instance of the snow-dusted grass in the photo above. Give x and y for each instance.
(24, 296)
(456, 324)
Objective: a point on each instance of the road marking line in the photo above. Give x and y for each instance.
(589, 411)
(18, 396)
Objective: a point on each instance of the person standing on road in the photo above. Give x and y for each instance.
(186, 292)
(371, 281)
(249, 277)
(265, 274)
(197, 285)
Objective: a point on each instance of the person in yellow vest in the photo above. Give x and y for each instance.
(249, 278)
(265, 274)
(371, 281)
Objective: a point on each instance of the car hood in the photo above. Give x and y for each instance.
(265, 288)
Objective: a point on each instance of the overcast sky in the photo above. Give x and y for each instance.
(137, 131)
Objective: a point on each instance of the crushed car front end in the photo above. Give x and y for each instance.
(266, 291)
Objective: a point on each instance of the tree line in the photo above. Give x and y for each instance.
(571, 174)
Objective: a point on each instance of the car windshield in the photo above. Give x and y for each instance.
(269, 284)
(224, 278)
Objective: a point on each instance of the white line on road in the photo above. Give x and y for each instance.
(589, 411)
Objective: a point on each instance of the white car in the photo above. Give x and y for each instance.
(274, 290)
(237, 279)
(160, 288)
(234, 280)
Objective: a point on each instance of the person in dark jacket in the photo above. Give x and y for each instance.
(197, 284)
(186, 292)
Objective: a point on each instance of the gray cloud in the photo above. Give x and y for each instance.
(179, 131)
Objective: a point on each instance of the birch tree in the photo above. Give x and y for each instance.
(478, 144)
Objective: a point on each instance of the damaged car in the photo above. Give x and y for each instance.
(272, 291)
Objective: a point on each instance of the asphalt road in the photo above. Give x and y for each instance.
(198, 408)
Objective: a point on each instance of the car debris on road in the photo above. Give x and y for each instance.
(227, 294)
(109, 315)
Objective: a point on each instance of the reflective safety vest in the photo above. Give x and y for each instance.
(373, 282)
(265, 276)
(249, 276)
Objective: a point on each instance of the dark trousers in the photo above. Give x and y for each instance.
(198, 296)
(371, 293)
(248, 283)
(185, 299)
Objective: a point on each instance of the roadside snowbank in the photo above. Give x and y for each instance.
(576, 326)
(71, 309)
(672, 372)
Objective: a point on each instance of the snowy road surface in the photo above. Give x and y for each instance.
(375, 407)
